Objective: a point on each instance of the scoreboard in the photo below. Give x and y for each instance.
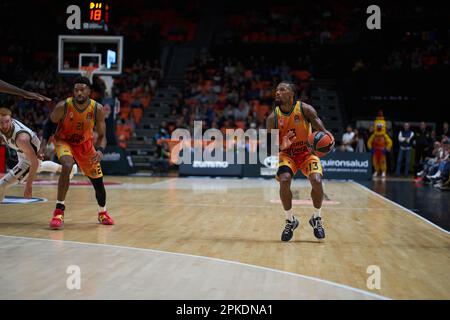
(97, 16)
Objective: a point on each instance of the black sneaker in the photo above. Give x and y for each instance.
(316, 223)
(288, 231)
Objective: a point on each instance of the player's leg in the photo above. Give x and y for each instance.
(94, 172)
(100, 195)
(67, 163)
(285, 178)
(53, 167)
(285, 173)
(312, 168)
(5, 183)
(317, 197)
(12, 177)
(65, 155)
(17, 175)
(49, 166)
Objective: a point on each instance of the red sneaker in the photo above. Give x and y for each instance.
(57, 220)
(105, 219)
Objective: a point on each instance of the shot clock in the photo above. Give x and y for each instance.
(97, 16)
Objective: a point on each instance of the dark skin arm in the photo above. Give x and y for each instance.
(270, 122)
(313, 118)
(56, 116)
(101, 132)
(9, 88)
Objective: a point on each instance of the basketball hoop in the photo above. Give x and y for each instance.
(88, 71)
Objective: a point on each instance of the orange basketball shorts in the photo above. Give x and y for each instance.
(82, 153)
(308, 163)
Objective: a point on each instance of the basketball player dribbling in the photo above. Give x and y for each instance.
(294, 119)
(74, 120)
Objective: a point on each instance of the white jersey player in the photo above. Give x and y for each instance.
(26, 143)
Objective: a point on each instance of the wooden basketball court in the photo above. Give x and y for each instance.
(203, 238)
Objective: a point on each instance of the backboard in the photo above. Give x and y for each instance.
(103, 52)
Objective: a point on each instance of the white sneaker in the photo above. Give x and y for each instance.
(375, 174)
(383, 175)
(74, 171)
(435, 176)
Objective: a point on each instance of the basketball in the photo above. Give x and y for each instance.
(320, 143)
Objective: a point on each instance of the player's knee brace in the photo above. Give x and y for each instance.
(100, 192)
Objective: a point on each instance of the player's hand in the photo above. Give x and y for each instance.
(97, 156)
(331, 135)
(287, 140)
(34, 96)
(28, 193)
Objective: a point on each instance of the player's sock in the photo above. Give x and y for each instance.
(317, 212)
(50, 166)
(289, 214)
(60, 205)
(101, 209)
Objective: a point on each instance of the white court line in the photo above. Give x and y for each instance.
(271, 206)
(400, 206)
(342, 286)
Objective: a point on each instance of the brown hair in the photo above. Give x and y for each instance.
(5, 112)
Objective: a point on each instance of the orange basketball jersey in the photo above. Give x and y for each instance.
(77, 126)
(294, 121)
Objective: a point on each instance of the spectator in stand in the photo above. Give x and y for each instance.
(348, 139)
(137, 110)
(445, 133)
(441, 163)
(163, 132)
(405, 137)
(422, 145)
(163, 152)
(431, 162)
(241, 113)
(360, 140)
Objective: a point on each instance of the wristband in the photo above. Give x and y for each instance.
(100, 149)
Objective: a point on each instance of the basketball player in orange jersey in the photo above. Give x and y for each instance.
(74, 120)
(294, 119)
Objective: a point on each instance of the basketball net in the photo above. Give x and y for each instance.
(88, 72)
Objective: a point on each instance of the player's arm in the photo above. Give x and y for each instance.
(23, 141)
(311, 115)
(9, 88)
(50, 126)
(101, 132)
(270, 122)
